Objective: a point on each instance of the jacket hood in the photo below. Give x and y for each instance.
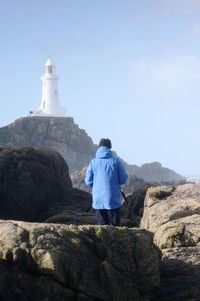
(103, 152)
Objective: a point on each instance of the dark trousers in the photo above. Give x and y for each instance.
(108, 217)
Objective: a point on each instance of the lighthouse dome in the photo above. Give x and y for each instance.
(49, 62)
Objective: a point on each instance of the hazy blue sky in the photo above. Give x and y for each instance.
(129, 70)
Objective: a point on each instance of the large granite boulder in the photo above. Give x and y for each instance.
(35, 186)
(165, 207)
(31, 181)
(59, 262)
(173, 215)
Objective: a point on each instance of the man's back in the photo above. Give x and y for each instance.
(105, 174)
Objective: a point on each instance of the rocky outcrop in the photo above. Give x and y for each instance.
(59, 262)
(31, 181)
(154, 172)
(166, 204)
(73, 143)
(59, 133)
(173, 215)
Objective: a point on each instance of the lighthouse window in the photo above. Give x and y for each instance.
(56, 92)
(49, 69)
(44, 105)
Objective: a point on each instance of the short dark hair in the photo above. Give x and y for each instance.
(105, 142)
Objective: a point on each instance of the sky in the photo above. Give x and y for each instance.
(129, 70)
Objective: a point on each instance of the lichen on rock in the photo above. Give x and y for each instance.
(173, 215)
(90, 262)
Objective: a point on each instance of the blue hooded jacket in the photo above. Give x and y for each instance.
(105, 174)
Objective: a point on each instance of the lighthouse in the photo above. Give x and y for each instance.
(50, 105)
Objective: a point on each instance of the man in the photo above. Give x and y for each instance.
(105, 174)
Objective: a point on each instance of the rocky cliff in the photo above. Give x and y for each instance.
(59, 133)
(73, 143)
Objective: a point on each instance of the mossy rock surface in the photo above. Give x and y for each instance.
(160, 192)
(78, 262)
(173, 215)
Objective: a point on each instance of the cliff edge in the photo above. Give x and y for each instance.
(58, 133)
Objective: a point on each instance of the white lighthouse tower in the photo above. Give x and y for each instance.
(50, 105)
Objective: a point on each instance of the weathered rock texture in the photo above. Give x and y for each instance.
(59, 133)
(57, 262)
(173, 214)
(73, 143)
(132, 209)
(31, 181)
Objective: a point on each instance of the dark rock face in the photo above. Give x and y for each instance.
(75, 209)
(180, 274)
(35, 186)
(58, 262)
(132, 210)
(173, 215)
(31, 180)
